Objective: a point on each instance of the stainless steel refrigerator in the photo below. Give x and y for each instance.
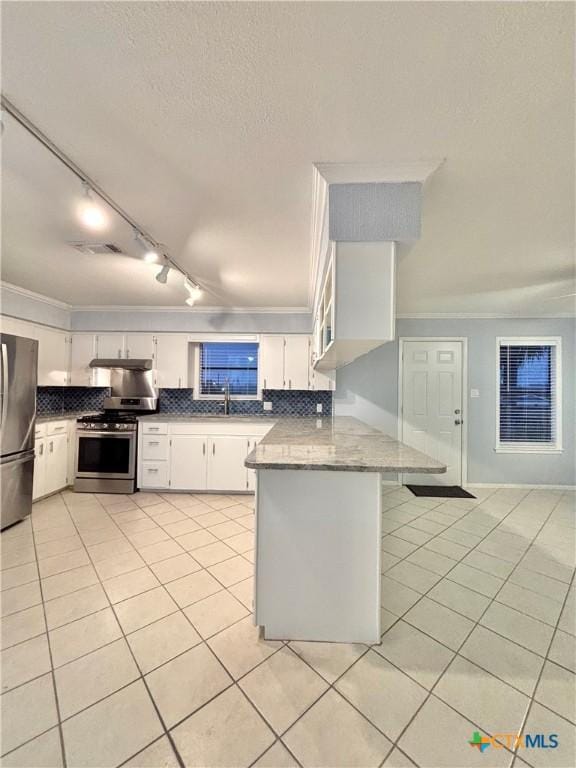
(18, 377)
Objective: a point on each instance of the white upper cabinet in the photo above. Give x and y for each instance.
(139, 346)
(296, 362)
(356, 307)
(109, 345)
(285, 362)
(83, 350)
(322, 381)
(53, 357)
(172, 361)
(271, 362)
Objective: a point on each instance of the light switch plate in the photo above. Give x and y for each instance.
(318, 407)
(267, 405)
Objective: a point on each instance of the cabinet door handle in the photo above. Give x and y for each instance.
(264, 387)
(42, 449)
(203, 449)
(127, 353)
(213, 449)
(152, 469)
(51, 447)
(153, 442)
(289, 383)
(153, 429)
(179, 382)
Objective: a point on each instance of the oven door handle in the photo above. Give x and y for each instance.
(92, 433)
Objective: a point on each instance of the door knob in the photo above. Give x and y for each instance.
(457, 422)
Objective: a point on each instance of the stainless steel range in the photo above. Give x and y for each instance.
(106, 443)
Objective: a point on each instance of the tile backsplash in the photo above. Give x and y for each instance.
(58, 400)
(284, 403)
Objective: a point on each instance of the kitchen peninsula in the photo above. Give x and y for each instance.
(318, 526)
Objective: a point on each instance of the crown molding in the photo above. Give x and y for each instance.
(480, 316)
(391, 172)
(194, 310)
(35, 296)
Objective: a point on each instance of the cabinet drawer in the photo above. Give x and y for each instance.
(154, 447)
(40, 430)
(154, 474)
(154, 428)
(56, 427)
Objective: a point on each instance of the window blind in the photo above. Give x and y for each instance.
(528, 392)
(235, 363)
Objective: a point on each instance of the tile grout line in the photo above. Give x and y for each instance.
(202, 641)
(426, 511)
(476, 624)
(49, 644)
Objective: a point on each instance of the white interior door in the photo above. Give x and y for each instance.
(432, 406)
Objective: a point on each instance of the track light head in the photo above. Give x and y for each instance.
(151, 252)
(194, 290)
(162, 276)
(90, 213)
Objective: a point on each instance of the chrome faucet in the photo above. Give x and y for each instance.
(226, 397)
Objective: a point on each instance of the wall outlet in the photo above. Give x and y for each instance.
(318, 407)
(267, 405)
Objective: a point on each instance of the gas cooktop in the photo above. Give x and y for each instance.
(110, 417)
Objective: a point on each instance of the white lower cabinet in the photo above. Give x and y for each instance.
(56, 463)
(52, 460)
(226, 470)
(188, 458)
(39, 468)
(188, 462)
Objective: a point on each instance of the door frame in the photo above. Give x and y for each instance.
(464, 433)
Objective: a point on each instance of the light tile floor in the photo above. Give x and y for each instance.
(127, 638)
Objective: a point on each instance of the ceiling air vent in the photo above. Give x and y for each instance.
(95, 248)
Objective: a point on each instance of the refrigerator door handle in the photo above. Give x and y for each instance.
(4, 383)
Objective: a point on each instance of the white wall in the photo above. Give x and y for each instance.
(219, 321)
(368, 389)
(26, 305)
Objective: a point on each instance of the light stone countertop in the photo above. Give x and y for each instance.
(340, 443)
(232, 418)
(68, 416)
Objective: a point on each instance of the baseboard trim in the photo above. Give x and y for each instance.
(523, 485)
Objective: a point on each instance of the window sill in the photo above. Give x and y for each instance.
(527, 449)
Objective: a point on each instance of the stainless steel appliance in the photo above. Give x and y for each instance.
(18, 376)
(106, 444)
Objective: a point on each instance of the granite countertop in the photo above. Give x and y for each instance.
(63, 416)
(234, 417)
(340, 443)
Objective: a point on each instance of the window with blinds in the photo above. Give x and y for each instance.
(232, 363)
(529, 394)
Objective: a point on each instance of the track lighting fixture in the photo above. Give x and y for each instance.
(162, 276)
(90, 213)
(151, 252)
(93, 214)
(194, 290)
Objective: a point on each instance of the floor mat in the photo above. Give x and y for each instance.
(441, 491)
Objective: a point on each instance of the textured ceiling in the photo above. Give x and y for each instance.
(203, 120)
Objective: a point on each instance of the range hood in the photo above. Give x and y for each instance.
(122, 363)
